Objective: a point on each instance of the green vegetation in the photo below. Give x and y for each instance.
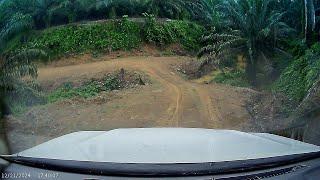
(26, 94)
(93, 87)
(299, 76)
(15, 64)
(29, 94)
(47, 13)
(253, 29)
(115, 35)
(233, 78)
(187, 34)
(71, 39)
(87, 90)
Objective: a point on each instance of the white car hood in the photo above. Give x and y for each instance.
(167, 145)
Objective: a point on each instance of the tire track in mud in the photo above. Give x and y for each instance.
(191, 104)
(187, 94)
(175, 107)
(209, 110)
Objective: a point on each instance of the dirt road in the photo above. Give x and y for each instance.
(170, 101)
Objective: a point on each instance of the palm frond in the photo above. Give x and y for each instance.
(19, 65)
(18, 24)
(253, 26)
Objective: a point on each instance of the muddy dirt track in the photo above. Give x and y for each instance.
(169, 101)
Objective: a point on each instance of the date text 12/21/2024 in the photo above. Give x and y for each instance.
(26, 175)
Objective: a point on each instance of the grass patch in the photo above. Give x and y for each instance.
(92, 88)
(87, 90)
(232, 77)
(27, 95)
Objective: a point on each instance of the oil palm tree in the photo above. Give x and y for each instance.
(75, 9)
(252, 28)
(103, 3)
(202, 10)
(9, 8)
(168, 8)
(310, 20)
(43, 11)
(18, 64)
(71, 8)
(294, 13)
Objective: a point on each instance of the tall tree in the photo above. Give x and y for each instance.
(168, 8)
(252, 28)
(294, 13)
(17, 64)
(43, 11)
(310, 21)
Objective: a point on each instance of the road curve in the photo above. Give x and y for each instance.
(188, 104)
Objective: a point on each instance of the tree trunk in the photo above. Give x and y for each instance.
(251, 71)
(4, 109)
(4, 142)
(310, 21)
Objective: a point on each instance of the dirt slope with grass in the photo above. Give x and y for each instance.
(170, 100)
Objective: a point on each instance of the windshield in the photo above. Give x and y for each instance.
(69, 66)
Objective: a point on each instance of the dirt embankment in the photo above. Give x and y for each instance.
(170, 101)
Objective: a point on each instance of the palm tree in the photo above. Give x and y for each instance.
(103, 3)
(310, 20)
(71, 8)
(14, 66)
(253, 28)
(43, 11)
(294, 13)
(168, 8)
(18, 64)
(202, 10)
(9, 8)
(75, 9)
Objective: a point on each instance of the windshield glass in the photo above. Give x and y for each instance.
(97, 65)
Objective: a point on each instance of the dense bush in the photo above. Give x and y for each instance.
(233, 78)
(68, 39)
(24, 95)
(115, 35)
(163, 33)
(296, 47)
(297, 79)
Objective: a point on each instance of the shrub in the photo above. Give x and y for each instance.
(155, 32)
(86, 90)
(71, 39)
(186, 33)
(114, 35)
(24, 95)
(111, 83)
(162, 33)
(298, 77)
(233, 78)
(296, 47)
